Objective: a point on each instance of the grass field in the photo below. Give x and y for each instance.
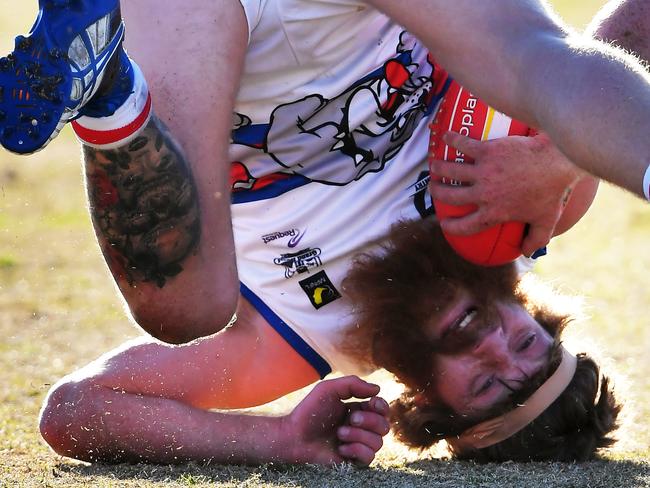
(58, 310)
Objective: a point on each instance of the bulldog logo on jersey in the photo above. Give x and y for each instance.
(319, 289)
(337, 140)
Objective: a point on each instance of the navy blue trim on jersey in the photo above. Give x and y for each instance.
(433, 105)
(271, 191)
(287, 333)
(539, 253)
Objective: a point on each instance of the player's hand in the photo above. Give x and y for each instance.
(525, 179)
(326, 429)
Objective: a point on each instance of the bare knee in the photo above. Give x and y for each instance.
(173, 327)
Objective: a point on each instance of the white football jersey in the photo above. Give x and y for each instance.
(328, 149)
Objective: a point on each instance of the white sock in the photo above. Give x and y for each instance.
(124, 125)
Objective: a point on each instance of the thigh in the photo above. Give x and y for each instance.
(192, 54)
(245, 365)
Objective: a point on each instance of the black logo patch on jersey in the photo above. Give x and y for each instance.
(319, 289)
(299, 262)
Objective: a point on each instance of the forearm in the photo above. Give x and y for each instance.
(596, 111)
(175, 271)
(113, 426)
(615, 101)
(593, 100)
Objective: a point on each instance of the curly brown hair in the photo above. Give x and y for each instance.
(396, 289)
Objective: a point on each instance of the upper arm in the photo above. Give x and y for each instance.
(245, 365)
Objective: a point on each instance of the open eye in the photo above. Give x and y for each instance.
(527, 343)
(486, 385)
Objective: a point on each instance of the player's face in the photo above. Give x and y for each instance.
(484, 353)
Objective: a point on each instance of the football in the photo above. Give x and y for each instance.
(462, 112)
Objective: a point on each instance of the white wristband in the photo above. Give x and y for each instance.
(646, 183)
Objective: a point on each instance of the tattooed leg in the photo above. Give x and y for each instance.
(162, 210)
(144, 206)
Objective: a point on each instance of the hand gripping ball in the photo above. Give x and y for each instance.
(462, 112)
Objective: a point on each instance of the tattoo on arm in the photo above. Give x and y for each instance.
(144, 205)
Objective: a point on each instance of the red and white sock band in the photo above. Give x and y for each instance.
(646, 184)
(124, 125)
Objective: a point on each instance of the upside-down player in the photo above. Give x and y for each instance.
(342, 118)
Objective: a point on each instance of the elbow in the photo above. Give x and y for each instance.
(59, 421)
(625, 25)
(608, 30)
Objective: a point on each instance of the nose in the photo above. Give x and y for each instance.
(492, 346)
(493, 353)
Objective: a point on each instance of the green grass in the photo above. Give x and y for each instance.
(59, 309)
(7, 262)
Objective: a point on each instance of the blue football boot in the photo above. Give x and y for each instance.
(71, 64)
